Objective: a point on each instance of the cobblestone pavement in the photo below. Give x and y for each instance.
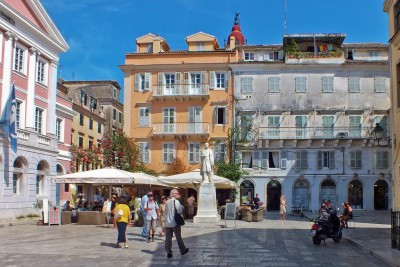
(268, 243)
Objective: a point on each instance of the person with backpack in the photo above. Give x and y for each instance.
(152, 213)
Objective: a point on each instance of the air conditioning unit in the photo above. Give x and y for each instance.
(342, 135)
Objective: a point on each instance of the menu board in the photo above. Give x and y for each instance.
(230, 211)
(54, 216)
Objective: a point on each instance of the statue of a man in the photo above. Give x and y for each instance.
(207, 163)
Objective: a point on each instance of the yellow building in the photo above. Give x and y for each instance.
(392, 7)
(175, 101)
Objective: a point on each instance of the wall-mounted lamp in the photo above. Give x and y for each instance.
(355, 175)
(377, 133)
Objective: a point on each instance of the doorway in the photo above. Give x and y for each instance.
(274, 192)
(355, 194)
(328, 191)
(381, 195)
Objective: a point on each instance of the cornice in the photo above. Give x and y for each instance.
(176, 67)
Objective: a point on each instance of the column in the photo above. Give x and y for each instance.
(8, 55)
(51, 109)
(30, 102)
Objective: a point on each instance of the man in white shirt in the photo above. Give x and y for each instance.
(191, 202)
(144, 201)
(170, 225)
(152, 212)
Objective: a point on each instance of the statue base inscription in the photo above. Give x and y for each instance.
(207, 205)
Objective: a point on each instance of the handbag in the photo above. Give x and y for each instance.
(119, 214)
(178, 218)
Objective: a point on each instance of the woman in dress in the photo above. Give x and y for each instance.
(162, 212)
(283, 207)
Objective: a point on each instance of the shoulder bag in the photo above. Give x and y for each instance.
(178, 218)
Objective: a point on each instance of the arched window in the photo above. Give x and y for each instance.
(355, 194)
(42, 169)
(18, 177)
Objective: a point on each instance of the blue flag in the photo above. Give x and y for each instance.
(9, 120)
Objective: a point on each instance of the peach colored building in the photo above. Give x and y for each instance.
(175, 101)
(30, 45)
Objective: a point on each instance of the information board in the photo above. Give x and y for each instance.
(230, 211)
(54, 216)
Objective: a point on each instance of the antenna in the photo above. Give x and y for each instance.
(285, 23)
(61, 67)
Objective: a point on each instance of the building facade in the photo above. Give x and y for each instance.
(30, 45)
(392, 7)
(308, 118)
(175, 101)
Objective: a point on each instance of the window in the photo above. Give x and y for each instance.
(115, 93)
(58, 129)
(90, 143)
(248, 56)
(81, 119)
(168, 120)
(273, 85)
(17, 183)
(356, 159)
(382, 159)
(168, 152)
(114, 114)
(38, 120)
(301, 124)
(355, 126)
(301, 160)
(142, 81)
(149, 48)
(373, 54)
(354, 85)
(272, 56)
(19, 59)
(220, 79)
(259, 160)
(144, 117)
(18, 114)
(93, 103)
(119, 117)
(83, 98)
(194, 152)
(246, 85)
(327, 84)
(200, 46)
(301, 84)
(219, 151)
(380, 85)
(80, 141)
(40, 72)
(90, 124)
(273, 127)
(328, 126)
(99, 127)
(221, 116)
(326, 159)
(144, 152)
(169, 80)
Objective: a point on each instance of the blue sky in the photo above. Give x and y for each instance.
(100, 32)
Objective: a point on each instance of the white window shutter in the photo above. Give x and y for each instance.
(177, 78)
(203, 77)
(186, 78)
(160, 79)
(280, 54)
(212, 79)
(256, 160)
(147, 81)
(136, 84)
(283, 164)
(227, 79)
(215, 115)
(332, 159)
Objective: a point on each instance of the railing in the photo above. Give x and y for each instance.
(181, 128)
(315, 132)
(327, 54)
(43, 140)
(181, 90)
(395, 237)
(22, 135)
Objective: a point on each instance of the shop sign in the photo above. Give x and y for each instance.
(7, 18)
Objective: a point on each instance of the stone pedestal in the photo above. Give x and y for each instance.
(207, 205)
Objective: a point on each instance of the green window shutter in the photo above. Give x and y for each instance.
(298, 160)
(352, 159)
(332, 159)
(359, 159)
(320, 159)
(304, 159)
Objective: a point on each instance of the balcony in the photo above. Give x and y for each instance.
(181, 92)
(331, 57)
(33, 138)
(282, 133)
(180, 130)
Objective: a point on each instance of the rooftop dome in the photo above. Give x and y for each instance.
(237, 32)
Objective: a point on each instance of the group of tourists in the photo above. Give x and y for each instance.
(152, 212)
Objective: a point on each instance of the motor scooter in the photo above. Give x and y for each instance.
(326, 226)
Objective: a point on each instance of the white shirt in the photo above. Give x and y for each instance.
(143, 202)
(169, 215)
(151, 214)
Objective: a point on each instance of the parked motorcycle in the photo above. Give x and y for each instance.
(327, 226)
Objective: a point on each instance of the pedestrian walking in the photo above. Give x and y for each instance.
(162, 213)
(171, 227)
(283, 207)
(123, 218)
(191, 203)
(143, 212)
(152, 212)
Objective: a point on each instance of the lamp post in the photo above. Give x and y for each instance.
(378, 135)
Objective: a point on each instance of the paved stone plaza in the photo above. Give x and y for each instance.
(268, 243)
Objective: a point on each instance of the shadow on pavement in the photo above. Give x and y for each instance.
(105, 244)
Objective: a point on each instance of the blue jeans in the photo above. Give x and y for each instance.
(144, 231)
(121, 226)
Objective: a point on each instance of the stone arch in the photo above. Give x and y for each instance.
(328, 190)
(43, 170)
(301, 193)
(20, 167)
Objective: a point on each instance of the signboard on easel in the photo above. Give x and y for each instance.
(230, 213)
(54, 216)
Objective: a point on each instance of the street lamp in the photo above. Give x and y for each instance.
(378, 134)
